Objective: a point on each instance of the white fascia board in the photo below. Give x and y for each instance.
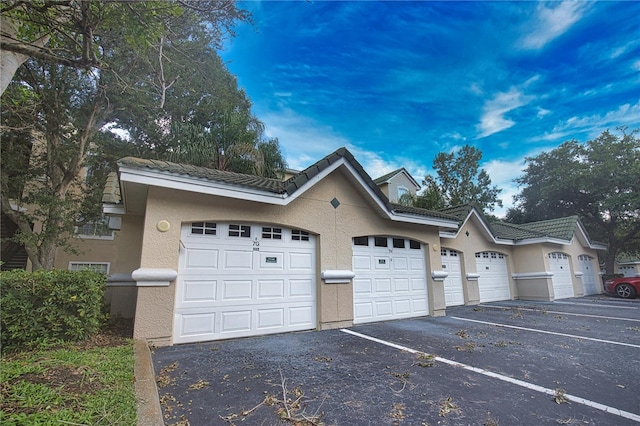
(185, 183)
(396, 217)
(487, 232)
(584, 239)
(441, 223)
(530, 241)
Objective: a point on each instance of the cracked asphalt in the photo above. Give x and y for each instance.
(480, 365)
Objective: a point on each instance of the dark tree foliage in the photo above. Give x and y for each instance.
(459, 181)
(598, 181)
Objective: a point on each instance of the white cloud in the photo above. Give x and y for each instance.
(593, 125)
(493, 118)
(502, 174)
(551, 21)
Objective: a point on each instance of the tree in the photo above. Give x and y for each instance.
(63, 94)
(598, 181)
(33, 29)
(459, 181)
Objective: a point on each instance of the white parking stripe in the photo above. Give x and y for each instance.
(558, 312)
(598, 305)
(548, 332)
(522, 383)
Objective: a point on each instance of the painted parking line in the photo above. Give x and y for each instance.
(558, 312)
(598, 305)
(522, 383)
(535, 330)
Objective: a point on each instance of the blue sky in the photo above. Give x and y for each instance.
(398, 82)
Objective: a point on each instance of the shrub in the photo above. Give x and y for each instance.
(50, 305)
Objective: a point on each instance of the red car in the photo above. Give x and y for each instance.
(625, 287)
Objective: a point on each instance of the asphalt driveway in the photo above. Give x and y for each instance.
(575, 361)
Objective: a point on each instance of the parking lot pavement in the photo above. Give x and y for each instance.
(507, 363)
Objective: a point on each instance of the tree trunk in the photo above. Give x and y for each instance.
(11, 61)
(610, 260)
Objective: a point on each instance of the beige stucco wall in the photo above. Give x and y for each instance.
(532, 267)
(123, 255)
(396, 182)
(312, 211)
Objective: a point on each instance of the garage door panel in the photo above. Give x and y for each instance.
(363, 310)
(270, 289)
(234, 321)
(401, 285)
(493, 282)
(403, 307)
(300, 316)
(199, 290)
(416, 264)
(233, 290)
(589, 275)
(361, 263)
(231, 287)
(201, 259)
(381, 264)
(197, 324)
(301, 261)
(270, 318)
(382, 285)
(419, 285)
(362, 286)
(384, 308)
(400, 263)
(389, 280)
(271, 260)
(453, 288)
(561, 278)
(238, 259)
(301, 288)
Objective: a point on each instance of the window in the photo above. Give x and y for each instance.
(243, 231)
(380, 241)
(414, 245)
(96, 266)
(203, 228)
(398, 243)
(98, 229)
(297, 235)
(361, 241)
(271, 233)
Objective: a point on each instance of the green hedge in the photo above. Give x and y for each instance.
(50, 305)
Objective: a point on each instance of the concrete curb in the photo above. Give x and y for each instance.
(147, 401)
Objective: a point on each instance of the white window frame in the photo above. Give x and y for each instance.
(105, 220)
(89, 265)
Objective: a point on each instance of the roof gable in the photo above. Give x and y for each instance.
(138, 171)
(558, 231)
(389, 177)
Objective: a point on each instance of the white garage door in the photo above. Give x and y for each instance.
(390, 280)
(238, 280)
(562, 284)
(453, 292)
(493, 280)
(590, 276)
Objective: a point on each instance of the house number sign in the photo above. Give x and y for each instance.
(256, 244)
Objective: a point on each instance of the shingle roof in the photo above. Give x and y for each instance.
(290, 186)
(562, 228)
(385, 178)
(398, 208)
(272, 185)
(111, 193)
(513, 232)
(460, 212)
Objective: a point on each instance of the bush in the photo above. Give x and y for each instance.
(50, 305)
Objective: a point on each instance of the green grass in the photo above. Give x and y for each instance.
(70, 384)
